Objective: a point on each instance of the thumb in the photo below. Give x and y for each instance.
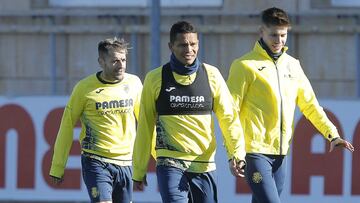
(233, 162)
(332, 146)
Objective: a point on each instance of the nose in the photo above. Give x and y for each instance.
(188, 48)
(121, 63)
(278, 39)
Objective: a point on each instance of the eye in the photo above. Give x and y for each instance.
(119, 60)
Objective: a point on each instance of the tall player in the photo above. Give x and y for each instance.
(267, 84)
(107, 104)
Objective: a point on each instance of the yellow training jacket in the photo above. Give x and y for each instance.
(191, 135)
(267, 93)
(107, 113)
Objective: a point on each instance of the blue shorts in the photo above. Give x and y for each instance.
(265, 175)
(106, 181)
(179, 186)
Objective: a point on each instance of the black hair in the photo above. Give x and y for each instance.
(181, 27)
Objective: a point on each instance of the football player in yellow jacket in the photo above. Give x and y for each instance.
(267, 84)
(178, 99)
(107, 104)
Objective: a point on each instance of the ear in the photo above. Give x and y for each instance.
(101, 61)
(170, 45)
(261, 30)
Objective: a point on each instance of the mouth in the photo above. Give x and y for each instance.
(276, 48)
(188, 57)
(120, 71)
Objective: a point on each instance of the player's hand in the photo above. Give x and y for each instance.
(237, 167)
(139, 185)
(57, 180)
(338, 142)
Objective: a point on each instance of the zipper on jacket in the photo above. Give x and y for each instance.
(280, 109)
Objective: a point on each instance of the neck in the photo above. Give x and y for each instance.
(182, 69)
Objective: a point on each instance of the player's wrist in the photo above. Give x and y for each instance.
(333, 139)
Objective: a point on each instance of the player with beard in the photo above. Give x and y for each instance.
(107, 104)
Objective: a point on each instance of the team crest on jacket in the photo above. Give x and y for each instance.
(126, 88)
(257, 177)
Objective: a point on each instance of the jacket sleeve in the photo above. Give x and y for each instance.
(138, 99)
(228, 117)
(64, 139)
(309, 106)
(145, 136)
(238, 82)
